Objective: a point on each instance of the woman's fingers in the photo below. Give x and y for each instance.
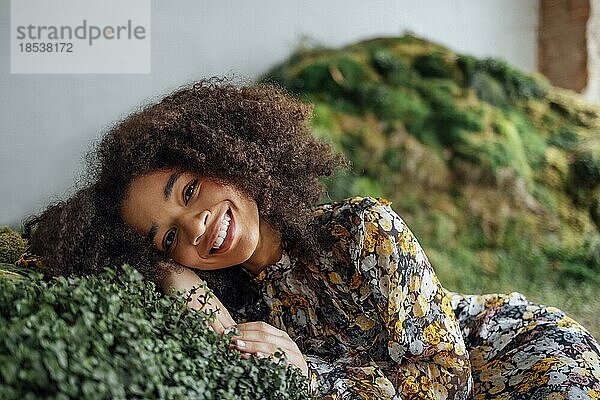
(252, 341)
(225, 317)
(262, 327)
(222, 322)
(261, 332)
(264, 340)
(292, 355)
(217, 327)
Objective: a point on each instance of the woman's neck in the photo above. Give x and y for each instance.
(268, 251)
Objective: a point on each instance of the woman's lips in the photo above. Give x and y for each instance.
(230, 235)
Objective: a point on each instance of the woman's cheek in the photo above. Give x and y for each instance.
(188, 257)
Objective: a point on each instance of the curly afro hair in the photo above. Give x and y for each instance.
(256, 137)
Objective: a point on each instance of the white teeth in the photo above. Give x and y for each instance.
(222, 232)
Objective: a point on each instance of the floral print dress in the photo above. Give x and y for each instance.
(374, 322)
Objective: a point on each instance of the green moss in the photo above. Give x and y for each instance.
(510, 150)
(489, 89)
(469, 66)
(447, 112)
(444, 228)
(564, 138)
(517, 85)
(394, 70)
(457, 141)
(365, 186)
(586, 169)
(12, 246)
(581, 262)
(546, 197)
(394, 104)
(595, 208)
(571, 111)
(436, 65)
(534, 145)
(325, 126)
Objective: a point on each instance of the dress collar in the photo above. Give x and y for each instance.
(280, 266)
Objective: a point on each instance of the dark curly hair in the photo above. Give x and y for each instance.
(256, 137)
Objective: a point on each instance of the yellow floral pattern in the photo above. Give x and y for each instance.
(374, 322)
(371, 317)
(521, 350)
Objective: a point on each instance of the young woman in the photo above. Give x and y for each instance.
(219, 182)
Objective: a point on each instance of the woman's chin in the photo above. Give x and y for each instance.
(214, 267)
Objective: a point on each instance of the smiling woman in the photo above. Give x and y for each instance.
(242, 144)
(202, 223)
(224, 180)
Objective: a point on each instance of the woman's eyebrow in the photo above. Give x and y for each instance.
(170, 183)
(168, 190)
(152, 232)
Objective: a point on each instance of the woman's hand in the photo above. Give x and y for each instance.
(263, 340)
(186, 280)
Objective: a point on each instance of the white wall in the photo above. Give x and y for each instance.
(47, 122)
(592, 91)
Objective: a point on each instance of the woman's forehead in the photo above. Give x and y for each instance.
(146, 197)
(155, 182)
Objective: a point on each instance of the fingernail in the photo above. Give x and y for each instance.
(228, 330)
(260, 354)
(240, 343)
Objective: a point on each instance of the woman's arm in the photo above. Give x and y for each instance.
(423, 333)
(256, 338)
(185, 280)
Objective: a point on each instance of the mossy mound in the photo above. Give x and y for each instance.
(495, 169)
(11, 245)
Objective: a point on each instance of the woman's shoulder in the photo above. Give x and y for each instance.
(352, 206)
(348, 217)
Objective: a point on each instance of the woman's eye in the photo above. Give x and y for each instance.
(169, 239)
(189, 191)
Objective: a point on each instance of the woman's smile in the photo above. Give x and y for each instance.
(225, 234)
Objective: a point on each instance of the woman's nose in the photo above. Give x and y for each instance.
(195, 226)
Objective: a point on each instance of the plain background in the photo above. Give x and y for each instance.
(49, 121)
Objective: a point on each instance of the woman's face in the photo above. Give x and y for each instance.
(199, 222)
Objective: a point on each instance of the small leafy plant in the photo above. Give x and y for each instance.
(115, 336)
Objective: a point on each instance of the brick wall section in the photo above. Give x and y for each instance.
(562, 48)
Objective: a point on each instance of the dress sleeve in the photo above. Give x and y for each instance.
(423, 334)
